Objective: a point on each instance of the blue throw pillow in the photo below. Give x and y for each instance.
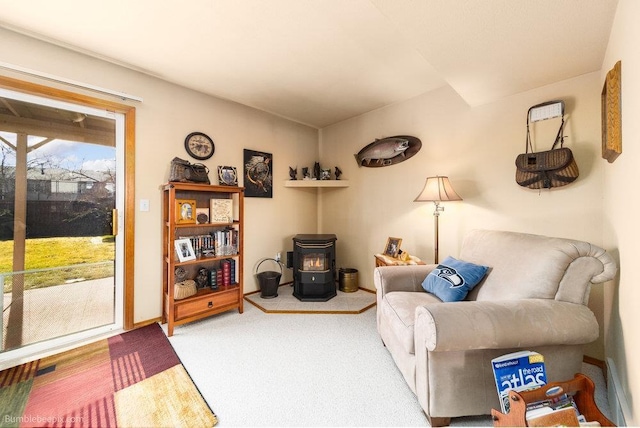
(453, 279)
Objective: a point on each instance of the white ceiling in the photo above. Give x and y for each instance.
(319, 62)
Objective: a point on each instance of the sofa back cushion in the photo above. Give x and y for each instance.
(525, 266)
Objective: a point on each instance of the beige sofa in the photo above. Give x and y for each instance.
(533, 297)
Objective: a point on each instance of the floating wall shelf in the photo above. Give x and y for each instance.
(316, 183)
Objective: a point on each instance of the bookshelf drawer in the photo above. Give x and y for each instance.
(208, 302)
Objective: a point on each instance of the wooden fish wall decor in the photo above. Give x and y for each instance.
(388, 151)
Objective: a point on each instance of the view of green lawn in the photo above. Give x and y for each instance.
(43, 253)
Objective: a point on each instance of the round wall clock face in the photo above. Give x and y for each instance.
(199, 146)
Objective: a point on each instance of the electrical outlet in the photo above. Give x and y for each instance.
(277, 257)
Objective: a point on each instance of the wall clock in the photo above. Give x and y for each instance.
(199, 145)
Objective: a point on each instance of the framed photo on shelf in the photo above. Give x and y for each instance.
(392, 247)
(185, 211)
(221, 210)
(227, 176)
(184, 250)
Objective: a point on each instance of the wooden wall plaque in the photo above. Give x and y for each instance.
(612, 114)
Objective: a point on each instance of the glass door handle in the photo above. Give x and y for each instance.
(114, 222)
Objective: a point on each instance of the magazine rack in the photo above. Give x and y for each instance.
(580, 385)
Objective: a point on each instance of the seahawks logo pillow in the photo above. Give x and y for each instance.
(452, 279)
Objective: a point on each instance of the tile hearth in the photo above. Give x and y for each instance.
(344, 303)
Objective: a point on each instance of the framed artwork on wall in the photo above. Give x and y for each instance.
(258, 174)
(612, 114)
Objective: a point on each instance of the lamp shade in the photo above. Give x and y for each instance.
(437, 189)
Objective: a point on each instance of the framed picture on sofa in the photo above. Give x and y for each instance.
(392, 247)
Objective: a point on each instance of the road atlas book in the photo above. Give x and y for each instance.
(518, 371)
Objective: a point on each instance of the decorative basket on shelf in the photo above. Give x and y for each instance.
(184, 289)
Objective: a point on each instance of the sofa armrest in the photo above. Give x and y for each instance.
(468, 325)
(400, 278)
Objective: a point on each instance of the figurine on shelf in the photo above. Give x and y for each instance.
(316, 170)
(325, 174)
(180, 274)
(293, 173)
(202, 280)
(305, 173)
(338, 173)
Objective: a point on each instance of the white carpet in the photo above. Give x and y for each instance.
(258, 369)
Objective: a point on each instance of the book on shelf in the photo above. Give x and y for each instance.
(225, 265)
(518, 371)
(219, 277)
(213, 278)
(218, 243)
(203, 245)
(221, 210)
(225, 241)
(232, 270)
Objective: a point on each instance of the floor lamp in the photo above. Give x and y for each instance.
(437, 189)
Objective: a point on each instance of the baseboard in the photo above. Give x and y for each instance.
(598, 363)
(147, 322)
(618, 404)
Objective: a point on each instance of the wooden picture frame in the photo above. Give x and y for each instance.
(184, 250)
(185, 211)
(611, 100)
(393, 247)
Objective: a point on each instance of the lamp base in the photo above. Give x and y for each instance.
(436, 214)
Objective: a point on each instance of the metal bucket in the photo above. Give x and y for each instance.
(348, 280)
(269, 281)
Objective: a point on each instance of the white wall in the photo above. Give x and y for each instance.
(163, 120)
(621, 207)
(476, 148)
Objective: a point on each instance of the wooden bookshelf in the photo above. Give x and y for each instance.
(207, 301)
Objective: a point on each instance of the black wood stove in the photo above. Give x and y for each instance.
(314, 267)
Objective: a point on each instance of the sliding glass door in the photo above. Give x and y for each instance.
(60, 194)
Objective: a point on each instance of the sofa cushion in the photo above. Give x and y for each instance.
(453, 279)
(399, 310)
(535, 266)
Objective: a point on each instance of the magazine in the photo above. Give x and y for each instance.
(548, 410)
(518, 371)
